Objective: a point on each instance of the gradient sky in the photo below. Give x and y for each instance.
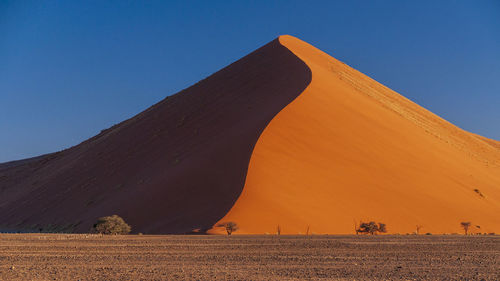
(71, 68)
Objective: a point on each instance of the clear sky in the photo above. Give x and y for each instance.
(71, 68)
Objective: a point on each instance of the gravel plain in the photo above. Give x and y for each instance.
(242, 257)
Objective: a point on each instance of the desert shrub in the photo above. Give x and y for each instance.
(465, 225)
(229, 226)
(382, 228)
(112, 225)
(371, 228)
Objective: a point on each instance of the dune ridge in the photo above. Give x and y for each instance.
(349, 149)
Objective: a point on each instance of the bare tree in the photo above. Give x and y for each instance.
(278, 230)
(465, 225)
(307, 231)
(229, 226)
(418, 227)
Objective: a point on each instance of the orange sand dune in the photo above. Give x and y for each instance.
(350, 149)
(285, 136)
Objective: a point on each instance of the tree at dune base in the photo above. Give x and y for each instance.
(111, 225)
(465, 225)
(229, 226)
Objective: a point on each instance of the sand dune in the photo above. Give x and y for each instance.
(349, 149)
(286, 136)
(176, 167)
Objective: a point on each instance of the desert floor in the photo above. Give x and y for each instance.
(266, 257)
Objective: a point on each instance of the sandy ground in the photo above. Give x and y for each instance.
(143, 257)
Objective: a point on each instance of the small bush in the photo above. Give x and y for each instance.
(371, 228)
(112, 225)
(382, 228)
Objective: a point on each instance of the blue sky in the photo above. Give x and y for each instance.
(71, 68)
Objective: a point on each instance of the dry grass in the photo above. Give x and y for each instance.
(144, 257)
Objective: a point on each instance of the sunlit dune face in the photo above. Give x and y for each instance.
(348, 149)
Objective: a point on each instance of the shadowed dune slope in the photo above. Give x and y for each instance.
(350, 149)
(179, 165)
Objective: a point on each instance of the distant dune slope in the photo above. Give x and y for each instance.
(350, 149)
(178, 166)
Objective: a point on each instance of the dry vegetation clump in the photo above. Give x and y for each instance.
(112, 225)
(371, 228)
